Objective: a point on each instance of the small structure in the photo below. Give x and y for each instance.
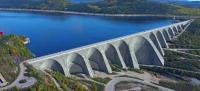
(1, 33)
(27, 40)
(175, 19)
(2, 81)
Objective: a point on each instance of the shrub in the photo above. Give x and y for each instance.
(102, 80)
(22, 81)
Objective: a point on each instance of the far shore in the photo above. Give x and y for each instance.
(85, 13)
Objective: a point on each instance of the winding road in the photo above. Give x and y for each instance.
(111, 85)
(29, 80)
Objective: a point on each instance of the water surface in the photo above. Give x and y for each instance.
(50, 33)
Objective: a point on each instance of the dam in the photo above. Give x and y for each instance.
(144, 48)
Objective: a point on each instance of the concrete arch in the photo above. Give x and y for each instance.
(77, 64)
(175, 30)
(112, 56)
(171, 33)
(156, 42)
(161, 39)
(179, 28)
(126, 54)
(166, 35)
(53, 65)
(96, 60)
(145, 52)
(183, 27)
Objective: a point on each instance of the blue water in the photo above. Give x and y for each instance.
(50, 33)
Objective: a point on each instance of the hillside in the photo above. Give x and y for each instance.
(105, 6)
(133, 7)
(34, 4)
(193, 4)
(12, 52)
(121, 6)
(186, 3)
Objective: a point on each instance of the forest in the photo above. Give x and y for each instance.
(104, 6)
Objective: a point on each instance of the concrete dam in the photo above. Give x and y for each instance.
(145, 48)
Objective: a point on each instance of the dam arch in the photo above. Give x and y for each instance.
(183, 26)
(179, 28)
(171, 33)
(77, 65)
(145, 53)
(175, 30)
(161, 39)
(53, 65)
(166, 35)
(112, 56)
(126, 54)
(156, 42)
(96, 60)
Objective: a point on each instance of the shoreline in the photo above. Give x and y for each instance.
(85, 13)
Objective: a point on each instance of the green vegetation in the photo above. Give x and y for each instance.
(136, 70)
(133, 7)
(182, 65)
(181, 61)
(195, 52)
(116, 67)
(102, 80)
(45, 83)
(175, 71)
(186, 11)
(180, 86)
(35, 4)
(93, 86)
(12, 52)
(74, 84)
(190, 38)
(125, 6)
(68, 84)
(105, 6)
(171, 55)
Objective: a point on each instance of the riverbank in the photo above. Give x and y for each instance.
(85, 13)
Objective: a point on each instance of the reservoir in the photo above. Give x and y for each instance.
(50, 32)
